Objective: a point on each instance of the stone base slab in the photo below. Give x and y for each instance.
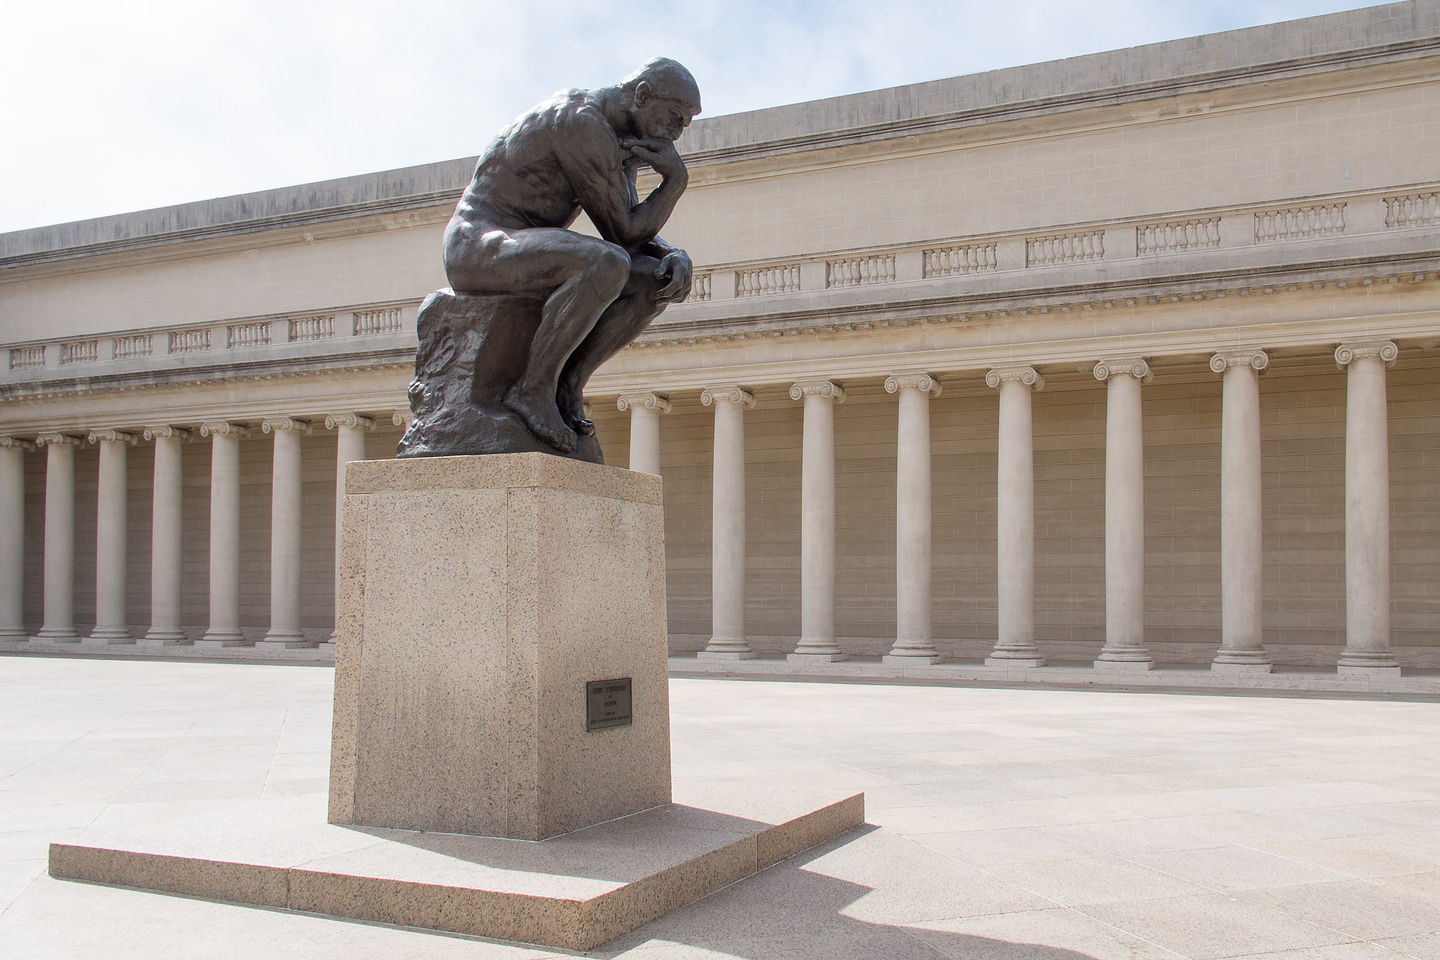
(901, 660)
(574, 892)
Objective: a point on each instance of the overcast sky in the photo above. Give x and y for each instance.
(108, 106)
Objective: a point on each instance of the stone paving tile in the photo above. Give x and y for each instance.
(1037, 935)
(1424, 947)
(1215, 925)
(1385, 855)
(1365, 909)
(1373, 950)
(989, 847)
(1075, 883)
(1235, 868)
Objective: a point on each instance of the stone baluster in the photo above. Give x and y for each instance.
(727, 542)
(224, 629)
(12, 537)
(349, 447)
(1367, 507)
(645, 410)
(285, 533)
(1124, 516)
(165, 538)
(1241, 574)
(817, 521)
(59, 625)
(1015, 519)
(914, 640)
(111, 537)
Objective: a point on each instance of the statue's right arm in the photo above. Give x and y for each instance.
(588, 154)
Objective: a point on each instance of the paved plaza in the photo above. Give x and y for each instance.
(1004, 824)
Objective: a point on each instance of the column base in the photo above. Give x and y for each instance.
(109, 636)
(1124, 666)
(1367, 669)
(727, 648)
(1010, 660)
(1367, 660)
(99, 640)
(164, 638)
(284, 644)
(910, 659)
(13, 633)
(57, 635)
(215, 641)
(798, 657)
(1241, 662)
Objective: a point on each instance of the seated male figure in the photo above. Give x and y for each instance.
(509, 235)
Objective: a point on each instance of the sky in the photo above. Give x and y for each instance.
(109, 106)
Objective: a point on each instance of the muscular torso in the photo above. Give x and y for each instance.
(520, 182)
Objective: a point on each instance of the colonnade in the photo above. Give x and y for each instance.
(1240, 648)
(111, 620)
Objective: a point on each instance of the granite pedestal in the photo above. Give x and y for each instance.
(481, 599)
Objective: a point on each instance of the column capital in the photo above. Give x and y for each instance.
(352, 420)
(828, 389)
(57, 440)
(924, 382)
(15, 443)
(647, 401)
(278, 424)
(167, 432)
(1023, 374)
(1258, 359)
(736, 395)
(113, 436)
(402, 418)
(1136, 367)
(1354, 350)
(223, 428)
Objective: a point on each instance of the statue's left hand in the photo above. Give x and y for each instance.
(675, 269)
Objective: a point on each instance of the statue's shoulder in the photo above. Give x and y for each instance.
(577, 114)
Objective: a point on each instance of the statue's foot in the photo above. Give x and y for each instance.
(572, 408)
(543, 419)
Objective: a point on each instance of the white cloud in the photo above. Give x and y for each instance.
(113, 107)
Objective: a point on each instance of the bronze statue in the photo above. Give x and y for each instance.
(534, 307)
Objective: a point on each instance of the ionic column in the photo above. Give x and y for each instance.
(349, 447)
(111, 625)
(12, 537)
(1367, 507)
(165, 538)
(59, 622)
(1241, 575)
(914, 641)
(817, 521)
(1015, 519)
(224, 629)
(727, 517)
(285, 533)
(1124, 516)
(645, 410)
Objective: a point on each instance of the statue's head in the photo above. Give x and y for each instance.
(663, 98)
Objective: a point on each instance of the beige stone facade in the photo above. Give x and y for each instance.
(1164, 323)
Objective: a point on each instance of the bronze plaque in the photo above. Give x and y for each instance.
(607, 704)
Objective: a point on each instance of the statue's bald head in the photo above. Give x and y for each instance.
(667, 79)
